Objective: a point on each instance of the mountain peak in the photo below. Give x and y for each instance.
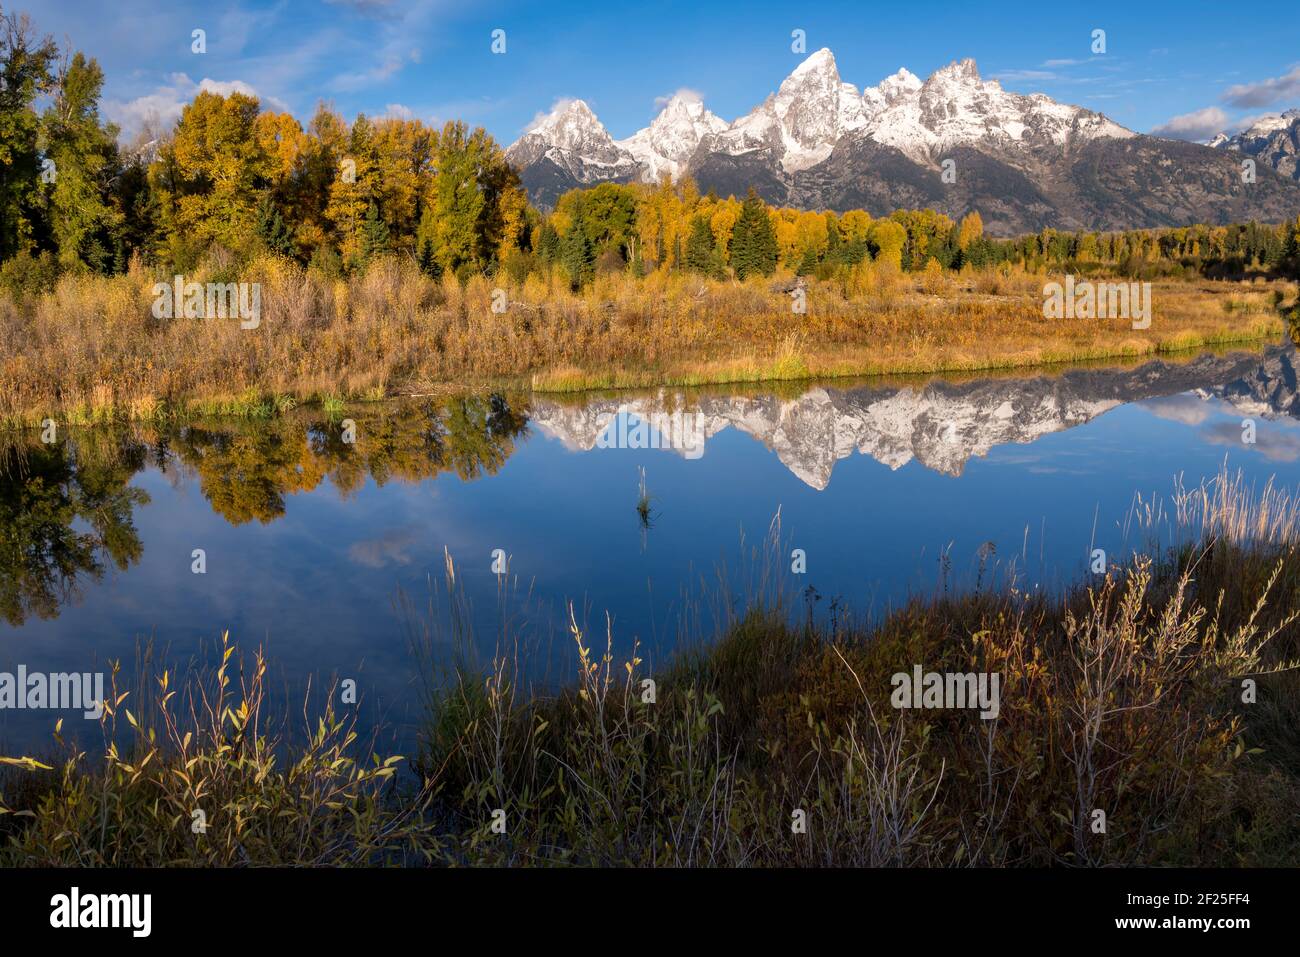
(573, 139)
(821, 142)
(890, 90)
(903, 78)
(821, 61)
(1273, 139)
(668, 142)
(564, 108)
(962, 71)
(682, 104)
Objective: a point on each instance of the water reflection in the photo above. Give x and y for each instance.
(67, 508)
(64, 513)
(67, 511)
(940, 424)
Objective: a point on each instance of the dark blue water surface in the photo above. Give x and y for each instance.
(310, 539)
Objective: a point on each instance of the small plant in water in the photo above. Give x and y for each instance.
(643, 502)
(332, 406)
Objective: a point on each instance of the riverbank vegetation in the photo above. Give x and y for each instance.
(1162, 694)
(393, 257)
(91, 350)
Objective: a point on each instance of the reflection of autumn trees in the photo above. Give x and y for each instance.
(246, 471)
(44, 490)
(66, 509)
(244, 474)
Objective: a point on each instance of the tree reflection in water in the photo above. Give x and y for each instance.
(67, 509)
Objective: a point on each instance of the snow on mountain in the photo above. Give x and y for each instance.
(667, 144)
(892, 89)
(1269, 124)
(809, 114)
(955, 107)
(572, 138)
(1273, 138)
(801, 123)
(819, 142)
(813, 109)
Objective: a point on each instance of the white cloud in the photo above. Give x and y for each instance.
(1197, 125)
(158, 111)
(349, 82)
(1020, 76)
(1186, 409)
(685, 93)
(541, 116)
(391, 547)
(1264, 92)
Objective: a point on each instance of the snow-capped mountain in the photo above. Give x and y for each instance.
(573, 139)
(800, 124)
(891, 90)
(1274, 139)
(955, 107)
(1023, 161)
(669, 142)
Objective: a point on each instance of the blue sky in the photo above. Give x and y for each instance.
(1186, 68)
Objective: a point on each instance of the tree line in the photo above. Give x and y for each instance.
(334, 195)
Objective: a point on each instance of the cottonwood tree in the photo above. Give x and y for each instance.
(84, 150)
(25, 67)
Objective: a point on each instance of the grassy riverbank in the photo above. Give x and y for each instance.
(91, 350)
(1126, 696)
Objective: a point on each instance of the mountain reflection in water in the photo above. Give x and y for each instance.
(309, 537)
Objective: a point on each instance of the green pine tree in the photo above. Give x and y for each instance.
(272, 230)
(428, 260)
(374, 233)
(700, 248)
(576, 255)
(548, 244)
(83, 152)
(754, 248)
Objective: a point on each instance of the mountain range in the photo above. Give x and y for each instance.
(1025, 162)
(941, 425)
(1274, 138)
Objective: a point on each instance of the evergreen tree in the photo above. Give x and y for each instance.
(1291, 248)
(428, 260)
(84, 153)
(374, 233)
(754, 249)
(701, 254)
(25, 64)
(576, 255)
(139, 209)
(548, 244)
(272, 230)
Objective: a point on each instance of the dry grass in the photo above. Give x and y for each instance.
(1122, 696)
(197, 773)
(91, 350)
